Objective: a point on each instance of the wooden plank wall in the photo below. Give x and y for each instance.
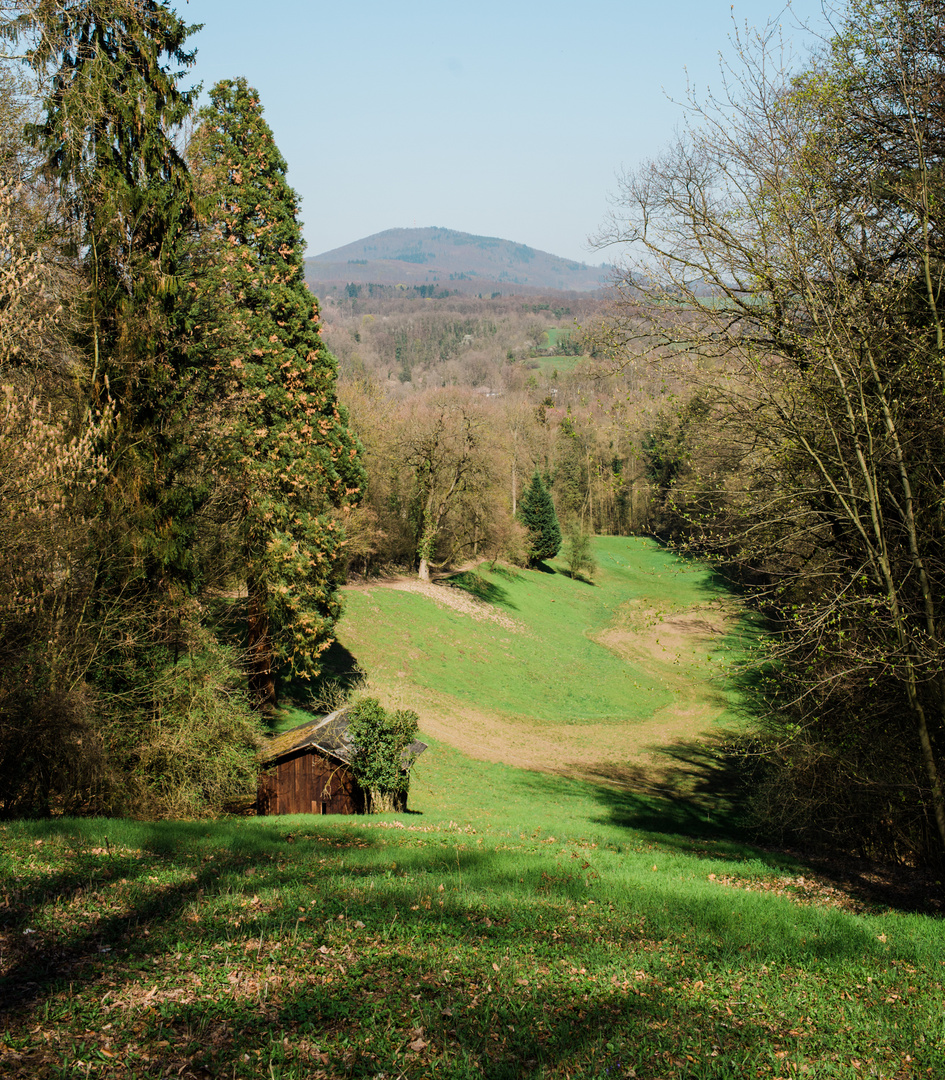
(307, 783)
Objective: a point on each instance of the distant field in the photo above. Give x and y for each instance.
(562, 364)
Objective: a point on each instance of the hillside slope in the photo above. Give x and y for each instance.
(533, 669)
(451, 260)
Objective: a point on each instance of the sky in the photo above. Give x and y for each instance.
(508, 118)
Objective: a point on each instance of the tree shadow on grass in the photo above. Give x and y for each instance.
(39, 962)
(340, 674)
(695, 790)
(480, 587)
(695, 798)
(295, 945)
(575, 577)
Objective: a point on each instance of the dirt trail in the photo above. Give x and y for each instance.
(665, 645)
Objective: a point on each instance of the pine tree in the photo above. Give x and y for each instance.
(537, 513)
(298, 462)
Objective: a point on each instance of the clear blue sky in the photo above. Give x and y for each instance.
(505, 118)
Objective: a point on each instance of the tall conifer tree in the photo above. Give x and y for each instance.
(537, 512)
(107, 140)
(298, 462)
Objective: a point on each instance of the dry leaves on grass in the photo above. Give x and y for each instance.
(800, 890)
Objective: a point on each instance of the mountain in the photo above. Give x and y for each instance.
(451, 260)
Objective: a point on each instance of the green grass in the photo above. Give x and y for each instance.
(564, 365)
(512, 927)
(552, 669)
(514, 924)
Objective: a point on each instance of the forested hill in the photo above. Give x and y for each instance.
(451, 260)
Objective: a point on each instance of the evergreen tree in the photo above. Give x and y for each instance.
(537, 513)
(298, 464)
(106, 140)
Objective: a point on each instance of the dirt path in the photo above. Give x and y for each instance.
(666, 645)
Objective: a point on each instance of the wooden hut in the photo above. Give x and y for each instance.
(307, 770)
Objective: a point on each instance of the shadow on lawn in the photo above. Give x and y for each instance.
(696, 801)
(447, 954)
(483, 588)
(695, 790)
(38, 962)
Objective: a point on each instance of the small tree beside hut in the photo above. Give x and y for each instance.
(386, 748)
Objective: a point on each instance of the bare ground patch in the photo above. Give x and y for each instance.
(448, 596)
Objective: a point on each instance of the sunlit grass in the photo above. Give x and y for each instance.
(510, 927)
(547, 667)
(514, 924)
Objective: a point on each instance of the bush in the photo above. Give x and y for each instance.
(381, 764)
(194, 749)
(578, 553)
(52, 758)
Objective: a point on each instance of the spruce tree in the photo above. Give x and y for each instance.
(297, 463)
(537, 513)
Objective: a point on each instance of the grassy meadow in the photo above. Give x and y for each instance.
(563, 365)
(516, 923)
(546, 664)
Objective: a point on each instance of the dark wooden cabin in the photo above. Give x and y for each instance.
(307, 770)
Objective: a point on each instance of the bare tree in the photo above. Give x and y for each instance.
(443, 443)
(790, 247)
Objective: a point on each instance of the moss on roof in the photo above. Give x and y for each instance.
(329, 734)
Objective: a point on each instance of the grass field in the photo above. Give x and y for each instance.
(517, 923)
(564, 365)
(556, 673)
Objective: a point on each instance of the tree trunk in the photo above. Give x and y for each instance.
(262, 685)
(386, 802)
(427, 543)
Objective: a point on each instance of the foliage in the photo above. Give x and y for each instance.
(816, 225)
(297, 462)
(122, 473)
(443, 446)
(51, 754)
(579, 553)
(382, 761)
(196, 750)
(111, 111)
(537, 513)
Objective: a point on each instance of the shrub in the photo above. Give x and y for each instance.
(578, 554)
(192, 750)
(381, 764)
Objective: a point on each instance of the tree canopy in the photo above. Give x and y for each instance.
(806, 202)
(297, 462)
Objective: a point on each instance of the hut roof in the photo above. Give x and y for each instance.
(329, 735)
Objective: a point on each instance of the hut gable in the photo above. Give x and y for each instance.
(307, 770)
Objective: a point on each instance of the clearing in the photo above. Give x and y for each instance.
(517, 922)
(532, 669)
